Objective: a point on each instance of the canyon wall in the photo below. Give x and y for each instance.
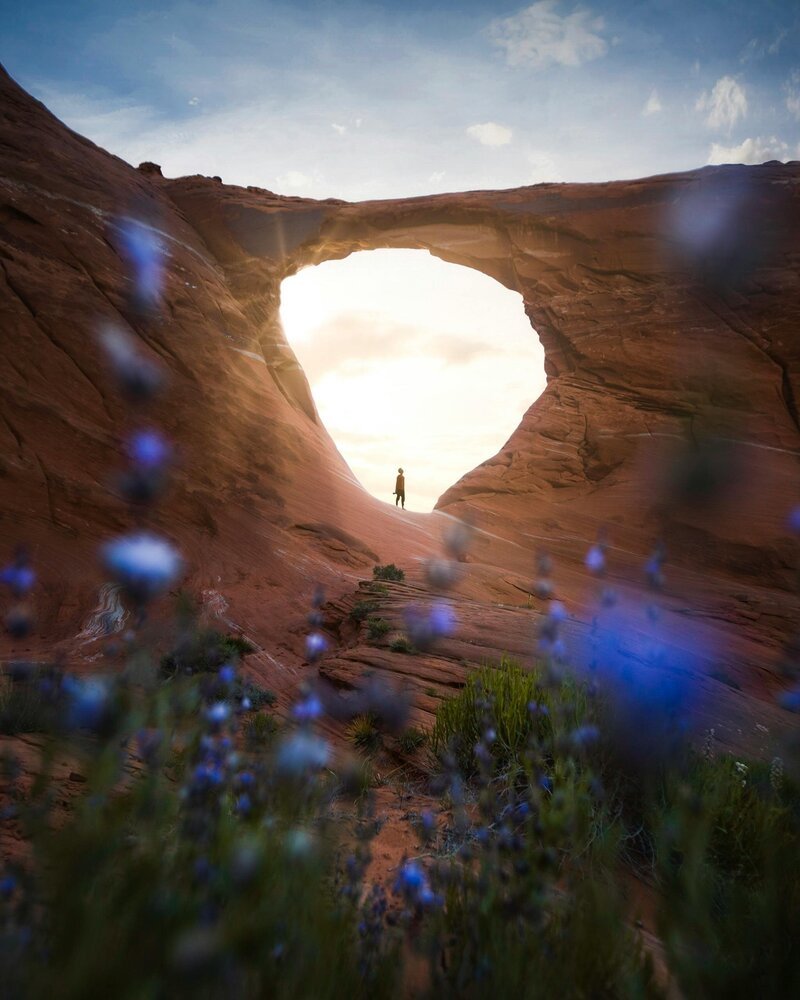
(668, 308)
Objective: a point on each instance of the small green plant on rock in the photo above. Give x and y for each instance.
(364, 733)
(401, 644)
(377, 628)
(388, 572)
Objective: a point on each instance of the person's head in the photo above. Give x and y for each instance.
(400, 471)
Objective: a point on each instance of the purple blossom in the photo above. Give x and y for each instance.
(790, 700)
(144, 249)
(596, 560)
(793, 520)
(143, 564)
(316, 644)
(302, 752)
(18, 576)
(139, 377)
(148, 450)
(308, 709)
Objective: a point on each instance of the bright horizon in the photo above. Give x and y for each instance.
(414, 363)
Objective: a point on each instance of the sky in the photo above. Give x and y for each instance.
(363, 100)
(413, 363)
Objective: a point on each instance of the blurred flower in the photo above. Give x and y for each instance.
(227, 673)
(144, 565)
(790, 700)
(19, 575)
(302, 752)
(316, 644)
(596, 560)
(308, 709)
(793, 520)
(139, 377)
(442, 574)
(19, 621)
(89, 702)
(144, 248)
(424, 628)
(148, 450)
(457, 537)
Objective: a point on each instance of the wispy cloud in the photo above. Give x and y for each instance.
(490, 134)
(652, 105)
(752, 151)
(792, 88)
(726, 103)
(758, 48)
(539, 36)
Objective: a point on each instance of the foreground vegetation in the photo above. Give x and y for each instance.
(224, 866)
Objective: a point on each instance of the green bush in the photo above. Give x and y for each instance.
(388, 572)
(364, 733)
(503, 698)
(204, 650)
(260, 731)
(402, 645)
(363, 609)
(377, 628)
(411, 739)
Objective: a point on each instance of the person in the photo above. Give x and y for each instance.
(400, 489)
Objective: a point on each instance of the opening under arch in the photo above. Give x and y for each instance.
(413, 363)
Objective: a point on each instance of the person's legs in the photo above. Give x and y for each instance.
(397, 499)
(403, 498)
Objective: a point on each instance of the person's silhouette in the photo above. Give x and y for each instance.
(400, 489)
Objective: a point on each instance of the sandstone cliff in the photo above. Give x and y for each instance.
(668, 309)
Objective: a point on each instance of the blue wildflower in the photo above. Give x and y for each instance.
(790, 700)
(227, 673)
(148, 450)
(143, 564)
(144, 248)
(596, 560)
(7, 886)
(138, 376)
(308, 709)
(316, 644)
(19, 576)
(302, 752)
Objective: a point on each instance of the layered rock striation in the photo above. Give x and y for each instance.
(668, 308)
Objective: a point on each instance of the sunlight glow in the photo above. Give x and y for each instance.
(413, 362)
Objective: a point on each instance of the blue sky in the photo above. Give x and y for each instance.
(365, 100)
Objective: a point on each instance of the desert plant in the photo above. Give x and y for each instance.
(388, 572)
(204, 650)
(411, 739)
(401, 644)
(364, 733)
(363, 609)
(377, 628)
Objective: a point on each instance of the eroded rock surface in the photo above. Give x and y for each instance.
(668, 308)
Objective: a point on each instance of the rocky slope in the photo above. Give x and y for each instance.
(668, 308)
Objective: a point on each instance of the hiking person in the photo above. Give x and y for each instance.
(400, 489)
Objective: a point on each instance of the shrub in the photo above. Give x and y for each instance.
(204, 650)
(388, 572)
(401, 644)
(258, 696)
(515, 703)
(363, 609)
(364, 733)
(377, 628)
(411, 739)
(260, 731)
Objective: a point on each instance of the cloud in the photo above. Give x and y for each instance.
(726, 103)
(341, 129)
(792, 88)
(757, 48)
(749, 151)
(652, 105)
(490, 134)
(437, 177)
(540, 37)
(294, 179)
(194, 101)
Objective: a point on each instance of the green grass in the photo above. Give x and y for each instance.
(501, 696)
(411, 739)
(260, 731)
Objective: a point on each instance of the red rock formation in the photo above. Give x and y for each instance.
(668, 309)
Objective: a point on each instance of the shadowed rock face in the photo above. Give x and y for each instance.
(668, 309)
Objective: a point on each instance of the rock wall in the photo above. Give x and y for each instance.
(668, 309)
